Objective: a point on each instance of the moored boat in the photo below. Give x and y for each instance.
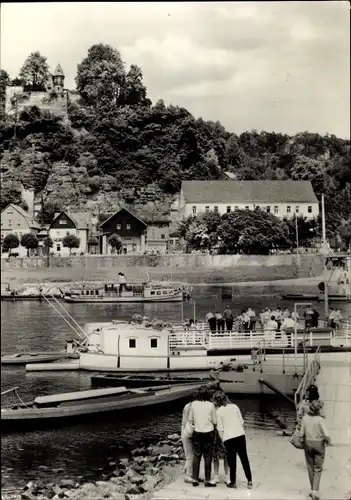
(112, 380)
(119, 293)
(76, 405)
(24, 358)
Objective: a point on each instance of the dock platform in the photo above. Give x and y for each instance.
(278, 469)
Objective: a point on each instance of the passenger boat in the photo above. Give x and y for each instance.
(132, 292)
(24, 358)
(76, 405)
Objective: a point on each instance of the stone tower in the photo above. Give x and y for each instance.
(58, 79)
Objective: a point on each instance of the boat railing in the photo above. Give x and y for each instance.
(309, 377)
(233, 340)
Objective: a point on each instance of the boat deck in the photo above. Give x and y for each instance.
(279, 470)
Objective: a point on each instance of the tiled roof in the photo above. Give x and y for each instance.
(81, 219)
(33, 224)
(148, 215)
(58, 71)
(248, 191)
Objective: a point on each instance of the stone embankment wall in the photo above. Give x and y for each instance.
(287, 266)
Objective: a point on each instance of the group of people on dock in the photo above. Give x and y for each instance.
(213, 429)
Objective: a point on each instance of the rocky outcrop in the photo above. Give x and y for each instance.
(145, 469)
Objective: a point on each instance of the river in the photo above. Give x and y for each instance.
(82, 450)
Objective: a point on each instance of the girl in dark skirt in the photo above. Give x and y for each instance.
(219, 454)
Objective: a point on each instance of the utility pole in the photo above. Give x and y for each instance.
(326, 305)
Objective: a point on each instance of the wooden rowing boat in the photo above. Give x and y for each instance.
(73, 406)
(24, 358)
(112, 380)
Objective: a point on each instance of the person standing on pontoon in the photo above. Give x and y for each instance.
(228, 317)
(212, 322)
(122, 282)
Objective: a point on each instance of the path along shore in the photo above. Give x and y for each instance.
(279, 470)
(61, 277)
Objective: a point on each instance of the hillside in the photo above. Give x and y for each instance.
(117, 146)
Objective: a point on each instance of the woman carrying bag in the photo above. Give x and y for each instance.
(315, 437)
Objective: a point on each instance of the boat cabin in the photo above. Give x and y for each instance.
(123, 290)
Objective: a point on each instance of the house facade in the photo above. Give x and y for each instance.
(15, 220)
(65, 223)
(284, 199)
(139, 234)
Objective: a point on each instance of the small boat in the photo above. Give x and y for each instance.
(76, 405)
(111, 380)
(303, 296)
(24, 358)
(133, 292)
(335, 298)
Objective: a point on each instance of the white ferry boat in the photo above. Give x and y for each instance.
(132, 292)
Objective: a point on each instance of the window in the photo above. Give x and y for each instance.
(57, 233)
(276, 210)
(247, 207)
(171, 242)
(18, 224)
(309, 209)
(236, 207)
(118, 227)
(268, 209)
(67, 233)
(128, 226)
(288, 209)
(153, 343)
(132, 343)
(158, 293)
(163, 236)
(207, 209)
(62, 222)
(165, 292)
(58, 248)
(194, 209)
(297, 210)
(215, 208)
(152, 293)
(10, 222)
(228, 209)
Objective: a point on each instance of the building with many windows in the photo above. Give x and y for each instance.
(281, 198)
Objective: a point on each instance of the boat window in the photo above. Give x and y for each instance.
(165, 292)
(132, 343)
(153, 343)
(96, 292)
(152, 293)
(158, 293)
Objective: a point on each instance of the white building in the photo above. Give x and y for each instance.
(15, 220)
(64, 223)
(284, 199)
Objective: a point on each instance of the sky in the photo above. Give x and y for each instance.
(274, 66)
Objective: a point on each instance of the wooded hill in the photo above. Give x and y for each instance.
(117, 146)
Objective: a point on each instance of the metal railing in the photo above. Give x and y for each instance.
(308, 378)
(180, 338)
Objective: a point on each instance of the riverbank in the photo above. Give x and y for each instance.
(137, 472)
(266, 282)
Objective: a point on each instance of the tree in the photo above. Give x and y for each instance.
(4, 82)
(35, 72)
(133, 92)
(30, 242)
(252, 232)
(71, 241)
(100, 76)
(115, 242)
(344, 232)
(10, 241)
(48, 243)
(93, 242)
(308, 230)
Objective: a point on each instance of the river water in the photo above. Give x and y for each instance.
(81, 450)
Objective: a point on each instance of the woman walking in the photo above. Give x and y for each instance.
(202, 416)
(312, 394)
(230, 425)
(315, 435)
